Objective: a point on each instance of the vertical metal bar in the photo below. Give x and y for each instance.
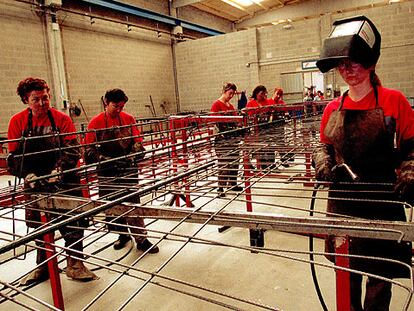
(174, 154)
(52, 266)
(247, 174)
(185, 163)
(343, 285)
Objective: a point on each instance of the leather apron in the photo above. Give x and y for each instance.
(39, 164)
(114, 142)
(364, 140)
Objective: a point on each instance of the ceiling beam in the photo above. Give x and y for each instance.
(180, 3)
(212, 10)
(257, 2)
(304, 9)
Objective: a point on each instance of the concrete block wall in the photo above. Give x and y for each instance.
(97, 56)
(199, 17)
(203, 65)
(102, 56)
(201, 62)
(22, 54)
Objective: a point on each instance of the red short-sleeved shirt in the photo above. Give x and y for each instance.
(392, 102)
(219, 106)
(102, 122)
(19, 123)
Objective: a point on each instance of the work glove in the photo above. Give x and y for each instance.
(54, 179)
(138, 147)
(323, 162)
(404, 186)
(29, 181)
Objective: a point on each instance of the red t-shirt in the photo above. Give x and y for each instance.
(41, 126)
(101, 122)
(392, 102)
(272, 102)
(219, 106)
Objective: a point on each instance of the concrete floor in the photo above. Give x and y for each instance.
(268, 279)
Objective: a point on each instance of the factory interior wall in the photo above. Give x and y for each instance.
(98, 55)
(102, 55)
(22, 54)
(204, 64)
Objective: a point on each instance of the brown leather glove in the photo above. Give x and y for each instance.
(323, 162)
(405, 181)
(139, 149)
(404, 186)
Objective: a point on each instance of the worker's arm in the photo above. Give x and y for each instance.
(323, 160)
(405, 181)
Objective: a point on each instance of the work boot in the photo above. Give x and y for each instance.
(123, 239)
(221, 193)
(234, 187)
(145, 245)
(76, 270)
(38, 275)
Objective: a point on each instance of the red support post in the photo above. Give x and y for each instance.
(343, 285)
(247, 173)
(52, 266)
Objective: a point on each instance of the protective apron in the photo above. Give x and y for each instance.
(364, 140)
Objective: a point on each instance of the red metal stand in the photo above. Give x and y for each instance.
(343, 286)
(52, 266)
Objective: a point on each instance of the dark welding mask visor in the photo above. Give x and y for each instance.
(355, 38)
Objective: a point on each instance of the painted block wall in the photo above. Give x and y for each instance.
(204, 62)
(97, 56)
(103, 56)
(204, 65)
(22, 54)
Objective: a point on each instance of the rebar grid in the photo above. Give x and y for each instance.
(180, 169)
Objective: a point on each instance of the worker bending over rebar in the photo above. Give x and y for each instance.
(42, 128)
(114, 134)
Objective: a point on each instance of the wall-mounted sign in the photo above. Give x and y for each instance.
(309, 64)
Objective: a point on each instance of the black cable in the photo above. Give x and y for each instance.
(311, 257)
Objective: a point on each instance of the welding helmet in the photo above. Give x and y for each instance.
(355, 38)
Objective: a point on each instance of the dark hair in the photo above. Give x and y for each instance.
(115, 96)
(229, 86)
(31, 84)
(375, 81)
(257, 90)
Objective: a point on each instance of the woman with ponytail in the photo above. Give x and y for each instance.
(370, 129)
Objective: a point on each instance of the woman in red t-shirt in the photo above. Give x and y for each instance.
(226, 145)
(370, 130)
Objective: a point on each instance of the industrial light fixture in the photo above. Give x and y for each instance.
(241, 3)
(282, 21)
(393, 1)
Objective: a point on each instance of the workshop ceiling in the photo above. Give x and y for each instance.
(237, 10)
(255, 13)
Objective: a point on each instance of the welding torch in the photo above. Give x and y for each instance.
(347, 169)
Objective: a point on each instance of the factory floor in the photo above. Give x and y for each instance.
(278, 280)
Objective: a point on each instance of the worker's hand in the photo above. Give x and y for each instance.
(54, 179)
(322, 160)
(138, 148)
(405, 182)
(28, 181)
(103, 158)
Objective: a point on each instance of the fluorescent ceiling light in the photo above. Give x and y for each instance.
(245, 2)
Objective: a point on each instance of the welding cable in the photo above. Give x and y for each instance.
(311, 257)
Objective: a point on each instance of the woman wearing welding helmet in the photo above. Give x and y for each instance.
(370, 130)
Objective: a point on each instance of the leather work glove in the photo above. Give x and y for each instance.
(55, 179)
(138, 147)
(323, 162)
(28, 181)
(404, 186)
